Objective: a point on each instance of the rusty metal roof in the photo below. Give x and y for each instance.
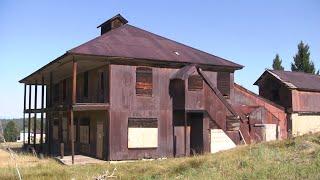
(131, 42)
(295, 80)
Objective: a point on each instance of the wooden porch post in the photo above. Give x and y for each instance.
(35, 115)
(24, 115)
(48, 121)
(74, 101)
(29, 118)
(42, 109)
(185, 134)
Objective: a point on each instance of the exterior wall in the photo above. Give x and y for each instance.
(195, 100)
(303, 124)
(124, 104)
(303, 101)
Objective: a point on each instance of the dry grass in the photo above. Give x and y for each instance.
(297, 158)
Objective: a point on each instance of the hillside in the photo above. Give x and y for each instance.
(297, 158)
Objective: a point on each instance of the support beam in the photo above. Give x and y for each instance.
(48, 124)
(185, 133)
(35, 115)
(74, 101)
(42, 107)
(29, 118)
(24, 115)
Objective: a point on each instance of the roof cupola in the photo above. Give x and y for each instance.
(112, 23)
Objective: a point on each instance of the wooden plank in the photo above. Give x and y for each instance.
(90, 106)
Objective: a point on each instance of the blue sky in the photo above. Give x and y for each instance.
(32, 33)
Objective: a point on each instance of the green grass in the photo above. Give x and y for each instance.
(297, 158)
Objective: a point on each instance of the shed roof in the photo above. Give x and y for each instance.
(294, 80)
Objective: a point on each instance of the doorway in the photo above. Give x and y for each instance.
(188, 135)
(195, 121)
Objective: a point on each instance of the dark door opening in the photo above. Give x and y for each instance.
(195, 121)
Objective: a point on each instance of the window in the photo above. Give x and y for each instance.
(142, 133)
(84, 131)
(85, 83)
(195, 83)
(223, 83)
(144, 81)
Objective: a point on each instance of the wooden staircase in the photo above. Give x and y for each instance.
(231, 124)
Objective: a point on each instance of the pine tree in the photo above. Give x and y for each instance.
(302, 60)
(277, 63)
(11, 132)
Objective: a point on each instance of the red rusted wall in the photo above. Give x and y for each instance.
(271, 84)
(246, 97)
(303, 101)
(124, 103)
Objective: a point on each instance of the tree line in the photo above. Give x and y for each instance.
(301, 61)
(13, 127)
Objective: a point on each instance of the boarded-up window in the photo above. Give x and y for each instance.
(223, 83)
(195, 83)
(144, 81)
(84, 136)
(142, 133)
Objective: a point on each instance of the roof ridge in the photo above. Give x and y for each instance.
(297, 72)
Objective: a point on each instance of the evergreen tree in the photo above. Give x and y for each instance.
(11, 132)
(302, 60)
(277, 63)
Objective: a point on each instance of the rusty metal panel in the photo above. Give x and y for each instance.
(132, 42)
(303, 101)
(126, 104)
(261, 110)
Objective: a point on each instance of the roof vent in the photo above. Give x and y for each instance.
(115, 22)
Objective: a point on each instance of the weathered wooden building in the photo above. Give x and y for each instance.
(131, 94)
(298, 93)
(264, 120)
